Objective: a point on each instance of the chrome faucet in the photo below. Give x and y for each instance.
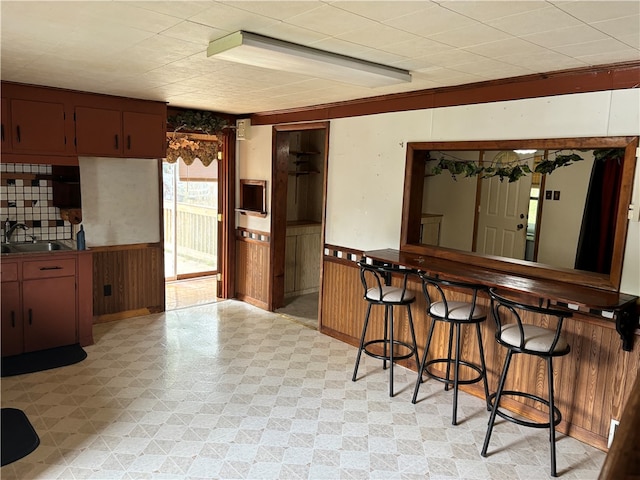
(9, 229)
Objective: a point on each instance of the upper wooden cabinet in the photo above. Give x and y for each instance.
(98, 131)
(38, 127)
(108, 132)
(6, 126)
(54, 122)
(144, 134)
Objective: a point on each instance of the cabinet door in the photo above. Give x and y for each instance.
(11, 319)
(37, 127)
(308, 255)
(49, 312)
(98, 131)
(6, 127)
(144, 135)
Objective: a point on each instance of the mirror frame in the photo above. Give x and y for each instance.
(414, 189)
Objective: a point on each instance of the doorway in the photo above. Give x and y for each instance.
(190, 213)
(298, 211)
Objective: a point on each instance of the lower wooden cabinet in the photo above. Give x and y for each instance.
(303, 254)
(40, 303)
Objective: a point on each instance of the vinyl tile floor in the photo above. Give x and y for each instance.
(191, 292)
(229, 391)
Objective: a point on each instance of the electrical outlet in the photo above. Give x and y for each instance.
(612, 431)
(107, 290)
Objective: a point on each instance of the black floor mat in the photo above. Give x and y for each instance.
(42, 360)
(19, 438)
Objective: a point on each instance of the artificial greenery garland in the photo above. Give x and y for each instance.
(516, 169)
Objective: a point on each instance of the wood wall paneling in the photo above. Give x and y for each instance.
(252, 267)
(135, 275)
(592, 383)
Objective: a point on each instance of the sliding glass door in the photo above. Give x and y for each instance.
(190, 219)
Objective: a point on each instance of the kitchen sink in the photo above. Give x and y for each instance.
(33, 247)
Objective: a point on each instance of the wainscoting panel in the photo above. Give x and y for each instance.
(252, 267)
(592, 383)
(128, 280)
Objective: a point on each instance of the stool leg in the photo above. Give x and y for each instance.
(413, 335)
(552, 427)
(362, 336)
(423, 362)
(390, 351)
(456, 370)
(446, 385)
(483, 365)
(386, 337)
(494, 409)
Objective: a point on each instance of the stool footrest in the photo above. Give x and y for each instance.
(396, 343)
(557, 416)
(451, 381)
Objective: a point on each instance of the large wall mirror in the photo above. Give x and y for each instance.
(568, 225)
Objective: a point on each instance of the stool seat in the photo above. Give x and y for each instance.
(458, 312)
(536, 339)
(389, 294)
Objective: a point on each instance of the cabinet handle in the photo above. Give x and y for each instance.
(128, 142)
(116, 144)
(30, 316)
(13, 319)
(18, 133)
(50, 268)
(2, 132)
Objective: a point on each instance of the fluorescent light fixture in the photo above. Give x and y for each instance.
(525, 152)
(260, 51)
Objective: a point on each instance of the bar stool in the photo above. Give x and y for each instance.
(456, 314)
(520, 337)
(376, 281)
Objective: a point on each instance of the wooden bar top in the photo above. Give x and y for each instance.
(613, 306)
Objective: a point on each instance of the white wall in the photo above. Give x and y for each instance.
(120, 200)
(254, 163)
(562, 219)
(367, 157)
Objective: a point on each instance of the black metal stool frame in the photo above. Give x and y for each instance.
(500, 303)
(457, 322)
(374, 293)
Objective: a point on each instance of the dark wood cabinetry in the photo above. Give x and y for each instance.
(98, 131)
(39, 121)
(11, 310)
(6, 126)
(144, 135)
(37, 127)
(46, 301)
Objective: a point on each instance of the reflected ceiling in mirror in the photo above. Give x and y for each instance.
(570, 223)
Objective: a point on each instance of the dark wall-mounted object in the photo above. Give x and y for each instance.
(66, 186)
(253, 197)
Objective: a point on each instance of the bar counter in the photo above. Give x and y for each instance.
(593, 383)
(610, 306)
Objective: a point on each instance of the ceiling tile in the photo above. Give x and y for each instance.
(430, 21)
(620, 26)
(376, 36)
(490, 10)
(470, 35)
(593, 48)
(511, 46)
(284, 10)
(230, 19)
(566, 36)
(541, 20)
(596, 11)
(383, 10)
(330, 20)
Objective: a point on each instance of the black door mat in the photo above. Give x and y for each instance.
(19, 438)
(42, 360)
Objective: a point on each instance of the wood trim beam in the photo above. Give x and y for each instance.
(589, 79)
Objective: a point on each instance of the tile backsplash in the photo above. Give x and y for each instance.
(25, 198)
